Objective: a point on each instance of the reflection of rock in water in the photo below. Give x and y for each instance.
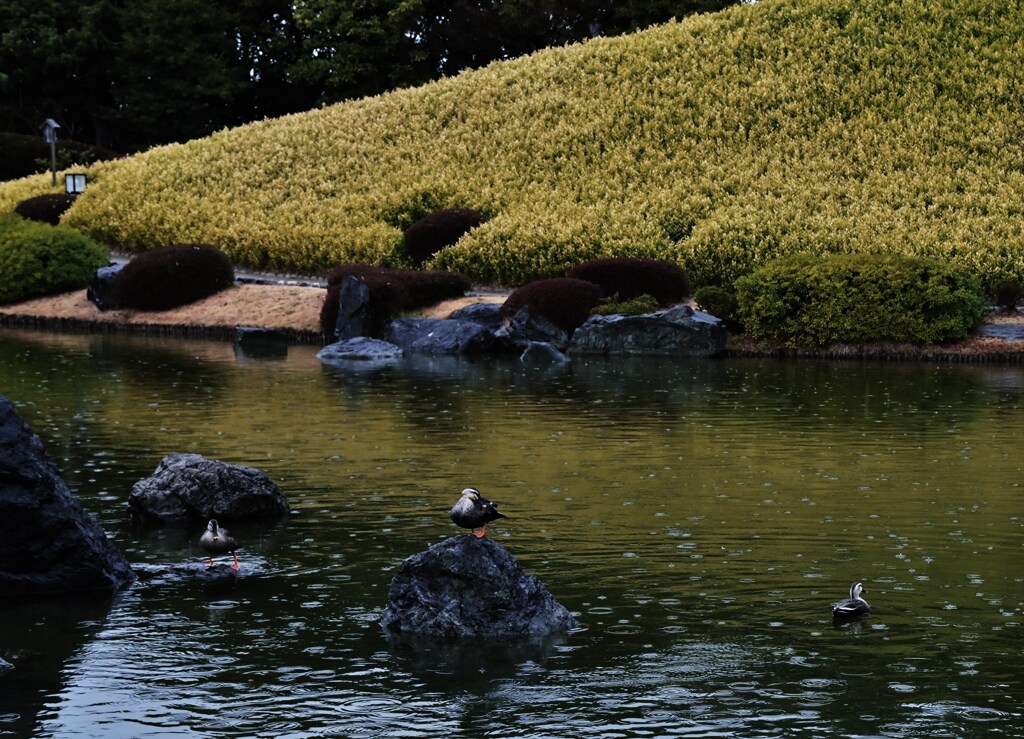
(38, 639)
(470, 658)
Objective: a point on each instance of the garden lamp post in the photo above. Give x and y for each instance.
(50, 127)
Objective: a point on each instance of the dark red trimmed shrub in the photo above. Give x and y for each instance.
(45, 208)
(630, 278)
(442, 228)
(170, 276)
(392, 290)
(565, 301)
(1009, 295)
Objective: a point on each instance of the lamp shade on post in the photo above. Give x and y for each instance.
(50, 127)
(74, 183)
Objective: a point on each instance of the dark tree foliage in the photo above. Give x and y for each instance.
(564, 301)
(129, 74)
(442, 228)
(45, 208)
(392, 290)
(630, 278)
(170, 276)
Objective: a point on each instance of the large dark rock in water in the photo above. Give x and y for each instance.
(676, 332)
(48, 544)
(187, 487)
(437, 336)
(355, 312)
(465, 587)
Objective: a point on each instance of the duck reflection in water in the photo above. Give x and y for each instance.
(474, 512)
(216, 541)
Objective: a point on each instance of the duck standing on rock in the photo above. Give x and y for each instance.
(474, 512)
(216, 541)
(854, 606)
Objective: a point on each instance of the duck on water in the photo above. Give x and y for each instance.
(854, 606)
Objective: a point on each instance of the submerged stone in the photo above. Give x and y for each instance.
(465, 587)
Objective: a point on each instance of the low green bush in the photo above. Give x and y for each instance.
(720, 303)
(564, 301)
(37, 259)
(45, 208)
(814, 300)
(442, 228)
(392, 290)
(631, 277)
(171, 276)
(616, 306)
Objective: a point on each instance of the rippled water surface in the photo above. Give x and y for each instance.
(699, 517)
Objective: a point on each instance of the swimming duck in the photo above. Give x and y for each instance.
(854, 606)
(216, 540)
(474, 512)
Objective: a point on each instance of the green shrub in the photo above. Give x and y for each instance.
(859, 297)
(442, 228)
(630, 278)
(170, 276)
(616, 306)
(720, 303)
(565, 301)
(45, 208)
(37, 259)
(392, 291)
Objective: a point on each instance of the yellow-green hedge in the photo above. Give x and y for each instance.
(720, 142)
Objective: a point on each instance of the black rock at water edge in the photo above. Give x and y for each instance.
(190, 487)
(48, 543)
(465, 587)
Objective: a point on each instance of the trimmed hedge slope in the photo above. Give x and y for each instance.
(719, 142)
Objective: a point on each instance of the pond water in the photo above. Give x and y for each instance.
(699, 517)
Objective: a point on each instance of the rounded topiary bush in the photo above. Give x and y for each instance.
(170, 276)
(392, 291)
(442, 228)
(45, 208)
(720, 303)
(37, 259)
(1009, 295)
(565, 301)
(630, 277)
(818, 300)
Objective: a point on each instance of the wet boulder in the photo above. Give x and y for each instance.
(486, 314)
(355, 311)
(102, 290)
(677, 332)
(48, 543)
(360, 349)
(439, 336)
(526, 327)
(188, 487)
(465, 587)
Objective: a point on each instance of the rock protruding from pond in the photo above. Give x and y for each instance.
(188, 487)
(677, 332)
(48, 543)
(465, 587)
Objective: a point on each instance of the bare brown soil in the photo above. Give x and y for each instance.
(288, 307)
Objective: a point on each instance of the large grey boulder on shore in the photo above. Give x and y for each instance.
(188, 487)
(465, 587)
(48, 543)
(677, 332)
